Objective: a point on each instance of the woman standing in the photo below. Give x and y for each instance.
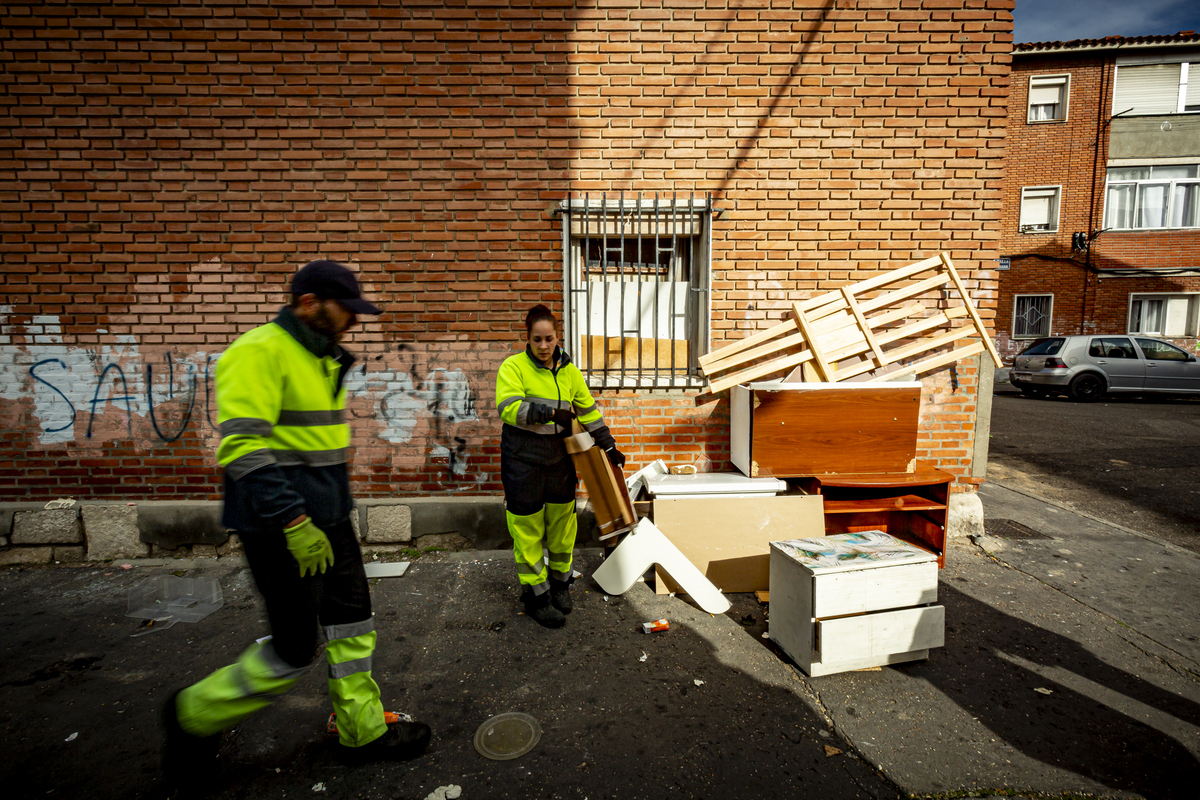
(538, 393)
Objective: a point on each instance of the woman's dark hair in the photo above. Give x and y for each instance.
(536, 315)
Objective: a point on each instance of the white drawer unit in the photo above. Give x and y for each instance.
(854, 600)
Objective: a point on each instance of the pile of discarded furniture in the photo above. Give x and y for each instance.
(831, 518)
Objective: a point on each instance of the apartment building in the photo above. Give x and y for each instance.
(1101, 227)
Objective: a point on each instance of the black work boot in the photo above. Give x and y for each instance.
(537, 606)
(560, 595)
(189, 761)
(400, 742)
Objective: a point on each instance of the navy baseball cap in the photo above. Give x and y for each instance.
(329, 280)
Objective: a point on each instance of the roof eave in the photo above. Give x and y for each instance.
(1049, 48)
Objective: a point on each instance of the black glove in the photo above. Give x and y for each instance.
(563, 416)
(540, 413)
(616, 457)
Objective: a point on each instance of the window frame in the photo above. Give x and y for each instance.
(1057, 194)
(692, 220)
(1063, 79)
(1191, 322)
(1137, 185)
(1049, 318)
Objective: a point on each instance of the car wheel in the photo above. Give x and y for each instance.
(1086, 387)
(1034, 391)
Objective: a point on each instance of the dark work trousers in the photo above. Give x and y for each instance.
(295, 605)
(528, 487)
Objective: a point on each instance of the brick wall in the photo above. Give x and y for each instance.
(1065, 154)
(164, 168)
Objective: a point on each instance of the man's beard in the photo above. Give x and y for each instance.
(323, 324)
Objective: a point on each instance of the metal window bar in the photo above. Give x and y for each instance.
(600, 249)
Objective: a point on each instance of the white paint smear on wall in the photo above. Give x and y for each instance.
(65, 381)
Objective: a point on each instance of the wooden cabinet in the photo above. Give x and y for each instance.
(910, 505)
(853, 601)
(791, 430)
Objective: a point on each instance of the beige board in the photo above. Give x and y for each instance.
(728, 538)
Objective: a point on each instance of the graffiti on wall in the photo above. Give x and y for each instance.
(87, 395)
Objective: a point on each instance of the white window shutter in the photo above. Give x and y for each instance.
(1192, 96)
(1035, 210)
(1150, 89)
(1177, 317)
(1045, 94)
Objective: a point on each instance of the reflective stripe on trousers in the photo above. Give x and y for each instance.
(232, 693)
(355, 695)
(554, 527)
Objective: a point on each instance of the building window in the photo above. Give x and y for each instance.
(1159, 196)
(1031, 315)
(1171, 315)
(637, 288)
(1156, 89)
(1039, 209)
(1048, 98)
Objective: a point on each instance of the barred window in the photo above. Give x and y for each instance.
(1031, 315)
(637, 284)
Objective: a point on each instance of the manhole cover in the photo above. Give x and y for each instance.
(1008, 529)
(507, 736)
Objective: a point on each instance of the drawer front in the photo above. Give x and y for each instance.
(878, 589)
(878, 635)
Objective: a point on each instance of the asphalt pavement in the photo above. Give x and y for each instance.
(1071, 668)
(1131, 459)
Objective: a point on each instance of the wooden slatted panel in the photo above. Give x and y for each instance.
(842, 324)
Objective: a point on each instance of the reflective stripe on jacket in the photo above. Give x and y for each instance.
(526, 391)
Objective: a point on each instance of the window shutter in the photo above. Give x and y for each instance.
(1177, 316)
(1192, 96)
(1045, 94)
(1152, 89)
(1035, 210)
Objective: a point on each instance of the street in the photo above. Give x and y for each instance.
(1068, 668)
(1130, 460)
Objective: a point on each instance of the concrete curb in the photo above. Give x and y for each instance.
(114, 530)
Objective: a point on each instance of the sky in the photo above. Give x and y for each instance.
(1064, 20)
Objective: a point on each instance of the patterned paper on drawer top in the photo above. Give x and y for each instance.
(852, 551)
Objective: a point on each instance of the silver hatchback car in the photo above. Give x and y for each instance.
(1086, 367)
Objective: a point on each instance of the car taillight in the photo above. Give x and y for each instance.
(1054, 363)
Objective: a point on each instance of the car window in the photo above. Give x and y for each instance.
(1044, 347)
(1111, 347)
(1161, 351)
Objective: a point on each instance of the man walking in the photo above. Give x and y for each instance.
(287, 492)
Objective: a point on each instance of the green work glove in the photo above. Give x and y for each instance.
(310, 547)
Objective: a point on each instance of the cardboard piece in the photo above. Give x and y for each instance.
(728, 538)
(380, 569)
(604, 483)
(642, 549)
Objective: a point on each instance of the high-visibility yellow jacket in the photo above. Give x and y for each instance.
(284, 438)
(527, 393)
